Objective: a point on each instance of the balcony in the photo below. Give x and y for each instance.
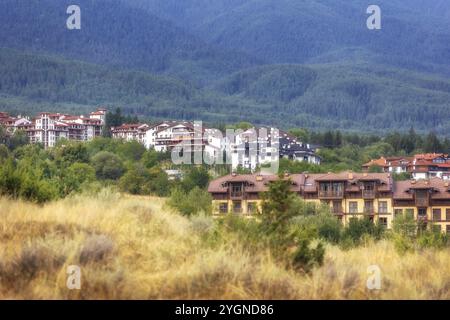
(422, 202)
(331, 194)
(368, 194)
(422, 219)
(236, 195)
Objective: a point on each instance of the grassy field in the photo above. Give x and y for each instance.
(137, 248)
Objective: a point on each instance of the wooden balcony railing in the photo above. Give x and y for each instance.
(422, 202)
(331, 194)
(237, 194)
(368, 194)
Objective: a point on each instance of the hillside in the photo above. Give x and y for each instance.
(309, 63)
(283, 95)
(44, 80)
(357, 96)
(113, 33)
(414, 33)
(136, 248)
(31, 83)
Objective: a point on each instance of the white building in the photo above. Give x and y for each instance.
(47, 128)
(254, 148)
(131, 132)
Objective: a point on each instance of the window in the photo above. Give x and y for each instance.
(437, 215)
(382, 207)
(448, 229)
(398, 213)
(447, 213)
(422, 212)
(353, 206)
(251, 208)
(368, 206)
(223, 208)
(383, 222)
(409, 213)
(337, 206)
(236, 190)
(237, 206)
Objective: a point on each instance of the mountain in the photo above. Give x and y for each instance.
(414, 34)
(315, 96)
(302, 63)
(356, 96)
(113, 33)
(31, 83)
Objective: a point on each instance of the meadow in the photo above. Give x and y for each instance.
(131, 247)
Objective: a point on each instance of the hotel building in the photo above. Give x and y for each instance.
(349, 195)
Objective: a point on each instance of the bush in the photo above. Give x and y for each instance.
(194, 202)
(158, 183)
(195, 177)
(432, 239)
(69, 152)
(359, 229)
(107, 165)
(134, 181)
(96, 248)
(306, 258)
(38, 190)
(77, 175)
(281, 208)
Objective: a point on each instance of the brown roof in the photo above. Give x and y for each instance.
(430, 156)
(254, 183)
(305, 182)
(439, 187)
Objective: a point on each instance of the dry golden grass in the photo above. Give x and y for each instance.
(136, 248)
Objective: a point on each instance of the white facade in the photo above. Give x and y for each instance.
(48, 128)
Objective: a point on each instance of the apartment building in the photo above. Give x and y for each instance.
(164, 136)
(349, 195)
(420, 166)
(254, 148)
(47, 128)
(130, 132)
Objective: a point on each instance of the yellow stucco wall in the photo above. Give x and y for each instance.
(346, 208)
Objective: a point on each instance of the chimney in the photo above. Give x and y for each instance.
(259, 177)
(350, 176)
(234, 174)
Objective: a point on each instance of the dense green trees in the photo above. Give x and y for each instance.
(194, 201)
(107, 165)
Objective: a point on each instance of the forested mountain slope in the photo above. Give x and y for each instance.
(113, 33)
(415, 34)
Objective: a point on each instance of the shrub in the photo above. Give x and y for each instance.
(279, 209)
(38, 190)
(432, 239)
(68, 152)
(134, 180)
(195, 177)
(96, 248)
(77, 175)
(107, 165)
(158, 182)
(359, 229)
(193, 202)
(306, 258)
(4, 153)
(202, 223)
